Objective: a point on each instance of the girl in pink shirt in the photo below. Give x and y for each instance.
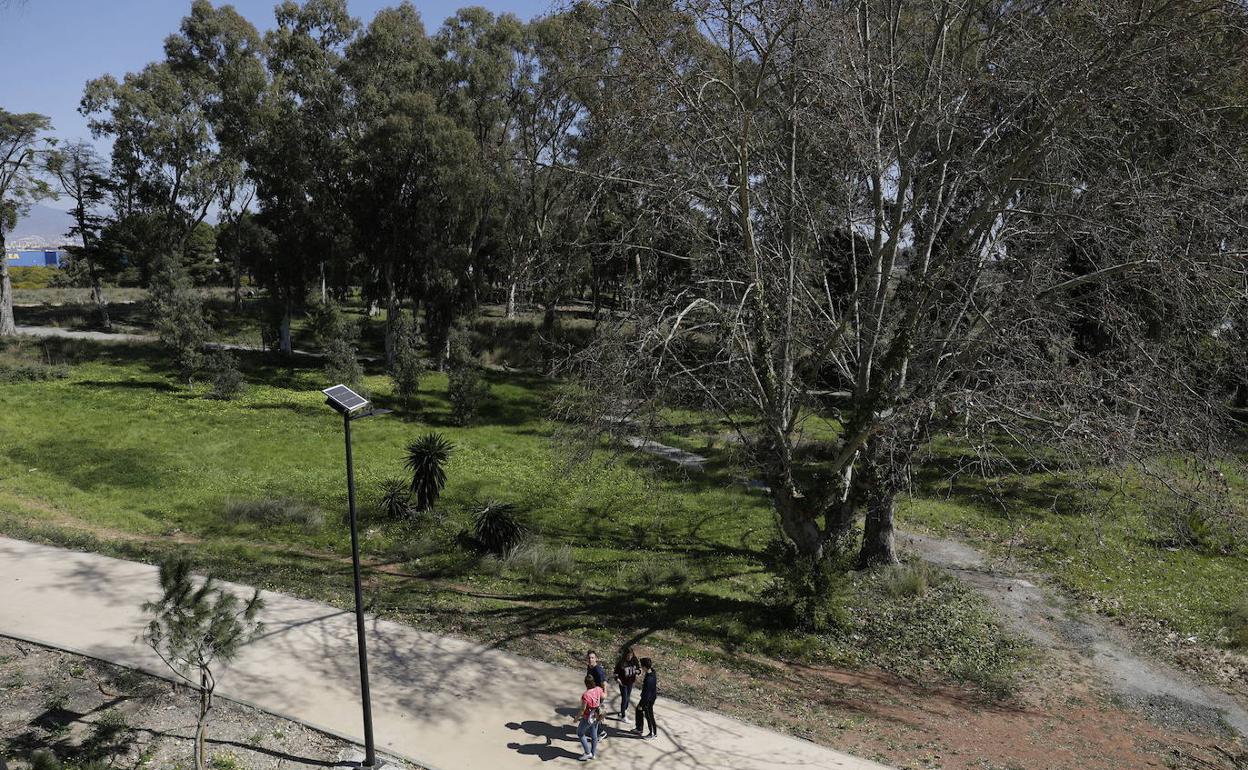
(587, 730)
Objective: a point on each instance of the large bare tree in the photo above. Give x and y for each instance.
(1009, 221)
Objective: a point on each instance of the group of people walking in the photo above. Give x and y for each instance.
(628, 669)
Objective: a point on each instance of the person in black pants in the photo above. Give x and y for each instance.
(649, 692)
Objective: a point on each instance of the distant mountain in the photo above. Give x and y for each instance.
(43, 227)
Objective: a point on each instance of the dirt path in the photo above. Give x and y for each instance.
(1162, 693)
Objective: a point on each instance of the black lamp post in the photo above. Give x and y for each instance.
(353, 406)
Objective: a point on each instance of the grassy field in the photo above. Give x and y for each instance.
(621, 547)
(1116, 539)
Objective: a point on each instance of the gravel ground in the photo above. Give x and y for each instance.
(85, 712)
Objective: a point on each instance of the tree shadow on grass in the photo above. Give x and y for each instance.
(1004, 490)
(132, 384)
(89, 464)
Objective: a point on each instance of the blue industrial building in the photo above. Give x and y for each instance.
(35, 258)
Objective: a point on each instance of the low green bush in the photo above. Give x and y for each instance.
(537, 560)
(31, 372)
(394, 500)
(32, 277)
(227, 380)
(947, 628)
(910, 580)
(274, 511)
(1237, 625)
(652, 574)
(807, 594)
(468, 393)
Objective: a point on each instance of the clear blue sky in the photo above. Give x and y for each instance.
(50, 48)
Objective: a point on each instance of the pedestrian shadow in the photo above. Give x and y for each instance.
(545, 749)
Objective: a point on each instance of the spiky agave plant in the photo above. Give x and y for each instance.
(396, 500)
(426, 459)
(497, 527)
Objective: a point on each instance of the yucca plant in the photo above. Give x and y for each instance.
(396, 500)
(497, 528)
(426, 459)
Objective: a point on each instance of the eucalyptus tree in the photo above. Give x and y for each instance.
(390, 71)
(476, 88)
(222, 51)
(82, 176)
(165, 165)
(300, 155)
(905, 212)
(23, 141)
(551, 201)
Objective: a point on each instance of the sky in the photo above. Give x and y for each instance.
(50, 48)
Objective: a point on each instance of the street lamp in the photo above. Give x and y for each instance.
(352, 406)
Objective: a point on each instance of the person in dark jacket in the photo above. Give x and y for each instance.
(649, 693)
(594, 669)
(627, 670)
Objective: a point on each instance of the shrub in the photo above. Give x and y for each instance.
(651, 574)
(537, 560)
(426, 459)
(911, 580)
(32, 277)
(949, 629)
(408, 367)
(1237, 625)
(179, 313)
(326, 322)
(808, 594)
(341, 365)
(496, 527)
(467, 391)
(274, 511)
(395, 502)
(227, 380)
(337, 338)
(43, 759)
(24, 372)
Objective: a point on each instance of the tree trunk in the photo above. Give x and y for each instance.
(97, 296)
(511, 300)
(595, 290)
(238, 277)
(879, 479)
(283, 331)
(878, 545)
(201, 724)
(8, 328)
(796, 522)
(392, 312)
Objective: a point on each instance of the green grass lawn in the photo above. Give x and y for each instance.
(120, 457)
(1107, 537)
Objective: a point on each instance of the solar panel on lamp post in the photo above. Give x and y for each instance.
(351, 406)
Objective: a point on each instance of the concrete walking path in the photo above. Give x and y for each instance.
(444, 703)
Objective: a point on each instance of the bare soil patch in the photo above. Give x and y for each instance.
(84, 711)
